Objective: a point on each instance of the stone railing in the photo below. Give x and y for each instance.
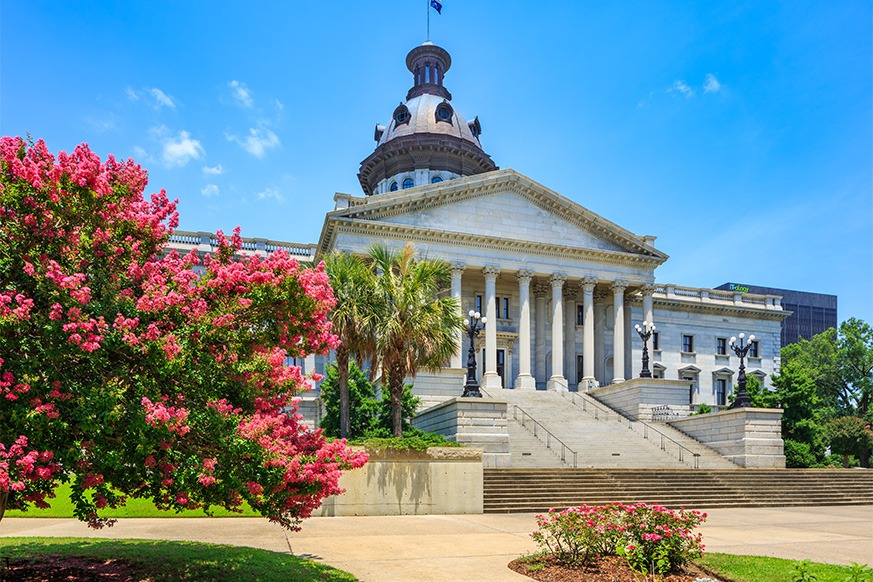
(717, 297)
(206, 242)
(750, 437)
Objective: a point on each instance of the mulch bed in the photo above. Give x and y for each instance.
(606, 569)
(67, 569)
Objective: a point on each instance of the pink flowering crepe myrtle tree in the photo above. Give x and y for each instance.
(128, 374)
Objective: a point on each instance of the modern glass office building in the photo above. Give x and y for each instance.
(812, 313)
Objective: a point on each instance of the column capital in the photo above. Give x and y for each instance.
(618, 286)
(524, 275)
(570, 292)
(588, 284)
(648, 289)
(541, 290)
(458, 267)
(601, 295)
(491, 272)
(557, 279)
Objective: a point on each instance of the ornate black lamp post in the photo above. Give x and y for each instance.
(741, 351)
(645, 332)
(474, 326)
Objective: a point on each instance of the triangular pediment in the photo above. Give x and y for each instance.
(500, 206)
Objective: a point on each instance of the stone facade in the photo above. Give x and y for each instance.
(474, 422)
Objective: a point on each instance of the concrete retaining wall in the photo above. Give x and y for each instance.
(473, 422)
(639, 396)
(750, 437)
(439, 481)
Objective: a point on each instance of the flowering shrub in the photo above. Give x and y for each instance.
(124, 371)
(650, 537)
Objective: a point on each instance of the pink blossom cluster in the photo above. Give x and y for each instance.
(158, 415)
(20, 467)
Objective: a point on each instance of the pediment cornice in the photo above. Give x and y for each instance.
(391, 204)
(393, 231)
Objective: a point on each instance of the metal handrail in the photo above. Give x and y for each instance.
(598, 408)
(549, 436)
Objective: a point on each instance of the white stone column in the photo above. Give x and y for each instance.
(457, 272)
(618, 288)
(557, 382)
(588, 284)
(491, 379)
(541, 293)
(524, 381)
(570, 334)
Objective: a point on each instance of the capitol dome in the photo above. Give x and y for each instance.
(427, 141)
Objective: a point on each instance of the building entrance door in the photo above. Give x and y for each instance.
(501, 366)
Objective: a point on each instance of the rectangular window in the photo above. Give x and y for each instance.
(656, 341)
(721, 346)
(579, 369)
(753, 350)
(505, 308)
(688, 343)
(479, 304)
(721, 391)
(580, 315)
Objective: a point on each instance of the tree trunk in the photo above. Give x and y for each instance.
(342, 369)
(395, 383)
(4, 497)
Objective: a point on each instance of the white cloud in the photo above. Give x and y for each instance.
(257, 142)
(280, 107)
(210, 190)
(141, 156)
(102, 123)
(711, 84)
(162, 98)
(271, 194)
(213, 170)
(683, 88)
(241, 93)
(180, 150)
(131, 94)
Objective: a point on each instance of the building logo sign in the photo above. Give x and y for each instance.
(738, 288)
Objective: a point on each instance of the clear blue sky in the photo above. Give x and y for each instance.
(738, 133)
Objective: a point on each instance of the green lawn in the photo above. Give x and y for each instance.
(160, 560)
(758, 569)
(61, 506)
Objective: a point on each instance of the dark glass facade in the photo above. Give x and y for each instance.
(812, 313)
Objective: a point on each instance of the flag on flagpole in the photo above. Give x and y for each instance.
(437, 5)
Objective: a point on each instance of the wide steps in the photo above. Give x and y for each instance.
(536, 490)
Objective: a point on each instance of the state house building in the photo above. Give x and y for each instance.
(561, 286)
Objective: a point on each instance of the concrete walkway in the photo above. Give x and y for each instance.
(478, 547)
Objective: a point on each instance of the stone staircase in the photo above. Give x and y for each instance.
(546, 429)
(538, 490)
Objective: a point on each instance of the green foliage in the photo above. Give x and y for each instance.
(412, 439)
(369, 413)
(848, 436)
(859, 573)
(826, 377)
(702, 409)
(164, 561)
(801, 572)
(761, 569)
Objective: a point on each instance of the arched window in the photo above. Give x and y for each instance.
(393, 186)
(401, 115)
(444, 112)
(435, 180)
(408, 183)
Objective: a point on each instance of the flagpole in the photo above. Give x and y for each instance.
(427, 4)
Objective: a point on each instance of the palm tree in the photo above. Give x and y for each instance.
(352, 318)
(416, 323)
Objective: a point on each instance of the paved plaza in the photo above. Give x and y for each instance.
(478, 547)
